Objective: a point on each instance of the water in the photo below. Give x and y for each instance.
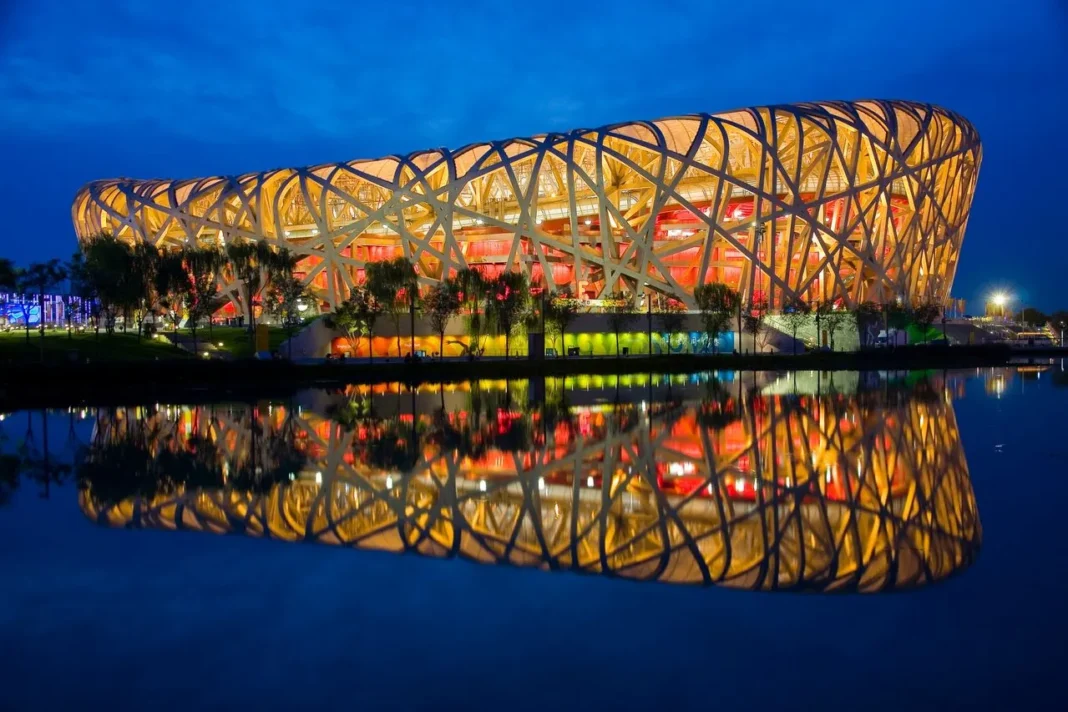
(148, 561)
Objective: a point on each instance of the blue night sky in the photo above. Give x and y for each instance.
(151, 89)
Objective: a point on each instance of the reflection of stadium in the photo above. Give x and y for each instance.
(830, 201)
(775, 492)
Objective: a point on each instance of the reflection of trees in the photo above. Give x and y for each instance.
(10, 470)
(389, 445)
(718, 407)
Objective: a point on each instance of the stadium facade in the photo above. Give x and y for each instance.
(835, 201)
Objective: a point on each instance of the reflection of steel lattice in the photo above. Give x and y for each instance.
(839, 200)
(798, 493)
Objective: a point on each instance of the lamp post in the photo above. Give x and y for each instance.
(649, 316)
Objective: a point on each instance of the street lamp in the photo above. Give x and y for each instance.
(649, 316)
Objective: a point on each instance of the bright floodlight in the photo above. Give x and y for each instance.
(1000, 299)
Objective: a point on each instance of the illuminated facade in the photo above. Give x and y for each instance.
(827, 201)
(768, 492)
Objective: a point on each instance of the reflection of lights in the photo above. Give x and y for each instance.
(739, 485)
(481, 485)
(589, 482)
(389, 481)
(541, 484)
(318, 478)
(678, 469)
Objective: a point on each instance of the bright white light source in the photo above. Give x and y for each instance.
(541, 483)
(587, 221)
(739, 485)
(318, 478)
(389, 481)
(589, 482)
(481, 485)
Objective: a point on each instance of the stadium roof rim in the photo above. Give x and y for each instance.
(839, 110)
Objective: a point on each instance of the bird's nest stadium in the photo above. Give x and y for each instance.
(837, 201)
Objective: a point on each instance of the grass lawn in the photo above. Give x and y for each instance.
(238, 342)
(59, 349)
(122, 347)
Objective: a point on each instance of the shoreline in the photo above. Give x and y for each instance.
(114, 382)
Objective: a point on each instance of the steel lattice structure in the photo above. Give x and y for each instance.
(769, 493)
(842, 201)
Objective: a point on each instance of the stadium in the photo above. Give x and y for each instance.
(838, 201)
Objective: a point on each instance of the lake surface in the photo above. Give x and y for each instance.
(804, 540)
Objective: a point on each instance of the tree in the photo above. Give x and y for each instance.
(441, 303)
(346, 318)
(753, 321)
(256, 265)
(832, 319)
(1033, 317)
(472, 288)
(867, 315)
(8, 274)
(717, 303)
(796, 314)
(78, 285)
(672, 320)
(284, 297)
(145, 263)
(560, 311)
(508, 297)
(171, 284)
(924, 315)
(202, 264)
(393, 284)
(40, 277)
(109, 268)
(620, 315)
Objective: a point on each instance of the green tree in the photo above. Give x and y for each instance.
(560, 311)
(508, 295)
(796, 314)
(441, 303)
(832, 318)
(621, 314)
(472, 288)
(717, 303)
(78, 285)
(753, 321)
(171, 282)
(1033, 317)
(201, 289)
(672, 320)
(284, 297)
(8, 274)
(256, 265)
(924, 315)
(145, 262)
(394, 285)
(867, 315)
(346, 319)
(109, 268)
(40, 277)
